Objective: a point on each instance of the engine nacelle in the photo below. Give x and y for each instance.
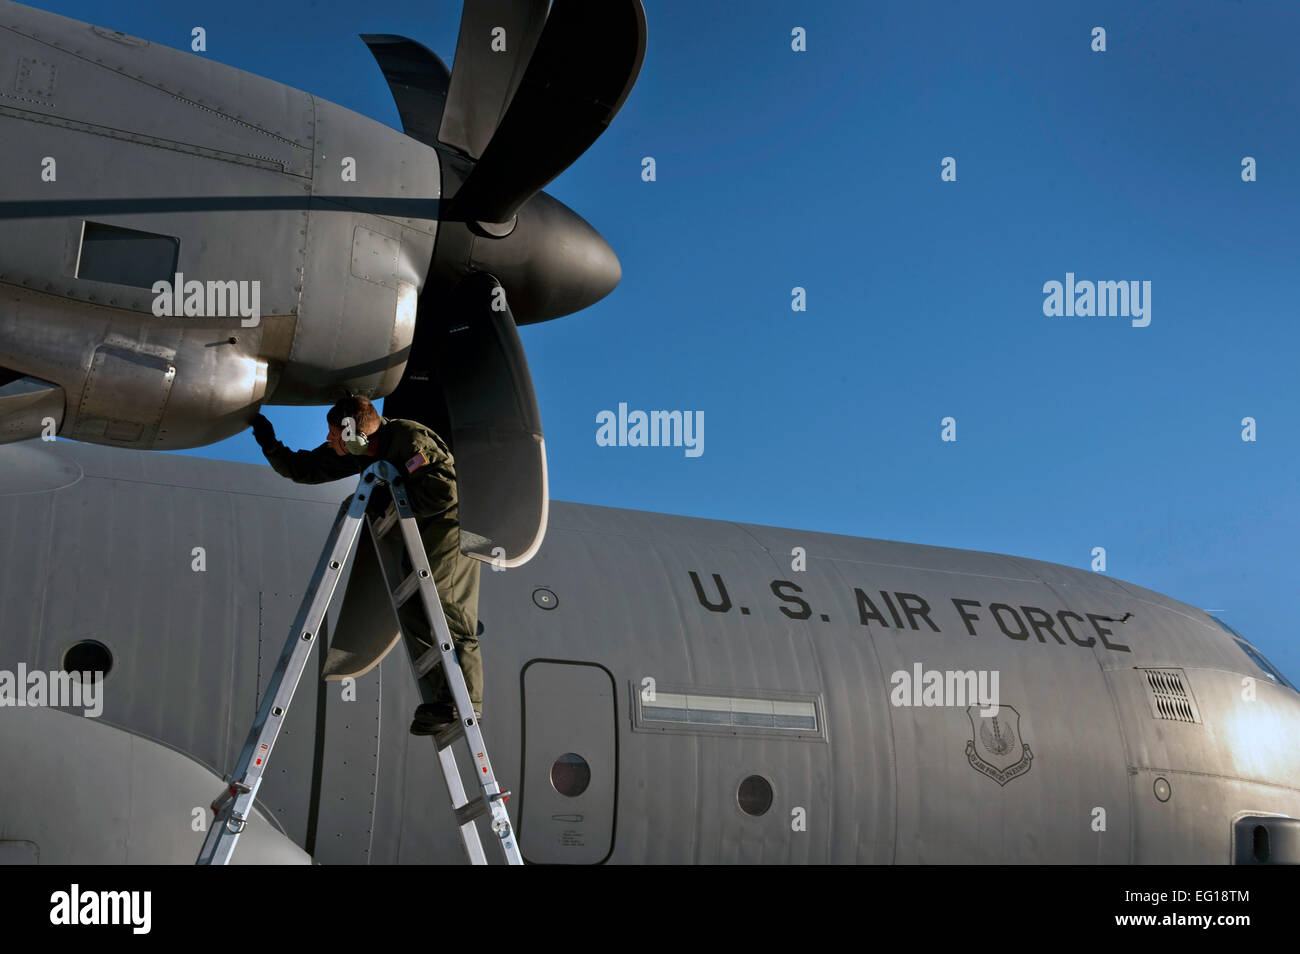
(187, 241)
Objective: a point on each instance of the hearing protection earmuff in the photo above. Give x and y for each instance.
(358, 443)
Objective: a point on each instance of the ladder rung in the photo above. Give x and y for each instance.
(426, 663)
(453, 733)
(472, 810)
(386, 522)
(407, 588)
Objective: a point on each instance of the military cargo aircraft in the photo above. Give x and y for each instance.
(188, 242)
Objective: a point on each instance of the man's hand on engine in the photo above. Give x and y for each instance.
(264, 433)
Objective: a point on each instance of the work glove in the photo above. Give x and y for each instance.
(264, 434)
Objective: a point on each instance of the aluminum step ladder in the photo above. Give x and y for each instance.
(380, 483)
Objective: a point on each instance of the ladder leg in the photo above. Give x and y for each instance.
(468, 832)
(491, 798)
(233, 807)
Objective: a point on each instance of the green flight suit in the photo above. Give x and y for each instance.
(430, 472)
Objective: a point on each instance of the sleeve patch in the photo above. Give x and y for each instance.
(416, 462)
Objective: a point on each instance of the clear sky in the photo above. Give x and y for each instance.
(925, 300)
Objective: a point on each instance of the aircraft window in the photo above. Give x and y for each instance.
(1256, 656)
(570, 775)
(89, 655)
(697, 709)
(1227, 627)
(755, 795)
(126, 256)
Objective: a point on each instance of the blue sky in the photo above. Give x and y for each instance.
(822, 170)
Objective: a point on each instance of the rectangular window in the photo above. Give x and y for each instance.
(710, 712)
(126, 256)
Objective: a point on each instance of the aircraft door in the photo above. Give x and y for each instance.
(570, 780)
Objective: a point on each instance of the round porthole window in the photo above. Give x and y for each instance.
(570, 775)
(89, 655)
(755, 795)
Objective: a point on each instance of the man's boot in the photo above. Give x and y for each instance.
(433, 717)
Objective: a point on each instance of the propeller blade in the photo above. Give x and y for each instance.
(418, 80)
(480, 383)
(582, 70)
(484, 76)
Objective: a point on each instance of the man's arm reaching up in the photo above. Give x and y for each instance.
(304, 467)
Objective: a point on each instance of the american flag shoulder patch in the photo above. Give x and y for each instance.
(416, 462)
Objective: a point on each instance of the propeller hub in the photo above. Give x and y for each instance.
(551, 262)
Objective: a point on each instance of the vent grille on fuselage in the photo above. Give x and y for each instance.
(1171, 699)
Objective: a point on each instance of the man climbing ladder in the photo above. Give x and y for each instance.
(382, 501)
(358, 437)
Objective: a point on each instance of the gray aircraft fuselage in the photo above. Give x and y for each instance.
(658, 688)
(693, 673)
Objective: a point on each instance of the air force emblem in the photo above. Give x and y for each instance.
(996, 748)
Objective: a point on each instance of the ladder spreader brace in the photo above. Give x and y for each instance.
(233, 807)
